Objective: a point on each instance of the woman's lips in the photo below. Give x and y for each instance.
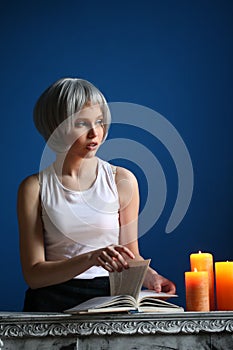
(92, 146)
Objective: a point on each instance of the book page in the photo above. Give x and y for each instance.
(103, 304)
(148, 293)
(158, 305)
(129, 281)
(151, 301)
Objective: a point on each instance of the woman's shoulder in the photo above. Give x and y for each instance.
(125, 174)
(28, 197)
(127, 187)
(120, 173)
(29, 184)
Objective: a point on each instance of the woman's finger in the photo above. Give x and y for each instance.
(114, 258)
(115, 251)
(125, 250)
(112, 261)
(105, 265)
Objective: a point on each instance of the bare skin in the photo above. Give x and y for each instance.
(78, 172)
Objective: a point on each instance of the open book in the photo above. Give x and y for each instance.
(127, 296)
(148, 301)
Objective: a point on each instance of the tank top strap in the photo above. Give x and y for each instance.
(114, 169)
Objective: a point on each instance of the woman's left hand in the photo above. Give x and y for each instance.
(158, 283)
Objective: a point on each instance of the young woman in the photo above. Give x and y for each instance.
(78, 217)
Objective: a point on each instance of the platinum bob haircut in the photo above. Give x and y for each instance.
(60, 102)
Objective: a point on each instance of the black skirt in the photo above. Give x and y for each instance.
(62, 296)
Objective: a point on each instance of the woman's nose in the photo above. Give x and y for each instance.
(92, 132)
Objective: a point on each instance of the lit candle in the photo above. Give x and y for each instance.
(224, 285)
(197, 291)
(204, 262)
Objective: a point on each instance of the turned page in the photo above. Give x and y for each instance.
(129, 281)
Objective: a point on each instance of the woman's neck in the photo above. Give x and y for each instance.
(73, 166)
(76, 174)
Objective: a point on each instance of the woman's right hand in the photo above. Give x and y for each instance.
(112, 258)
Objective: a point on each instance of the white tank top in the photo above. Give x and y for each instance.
(77, 222)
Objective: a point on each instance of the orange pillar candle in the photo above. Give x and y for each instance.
(197, 291)
(204, 262)
(224, 285)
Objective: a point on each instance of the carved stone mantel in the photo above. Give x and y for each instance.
(42, 325)
(33, 326)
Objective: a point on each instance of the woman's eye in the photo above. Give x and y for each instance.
(79, 124)
(100, 122)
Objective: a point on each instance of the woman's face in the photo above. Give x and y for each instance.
(87, 132)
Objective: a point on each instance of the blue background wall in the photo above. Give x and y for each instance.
(172, 56)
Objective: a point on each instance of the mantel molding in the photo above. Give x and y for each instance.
(32, 325)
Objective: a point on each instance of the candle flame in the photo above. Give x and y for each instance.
(199, 252)
(195, 269)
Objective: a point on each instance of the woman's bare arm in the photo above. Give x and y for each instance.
(129, 207)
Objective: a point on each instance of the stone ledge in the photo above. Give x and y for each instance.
(26, 325)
